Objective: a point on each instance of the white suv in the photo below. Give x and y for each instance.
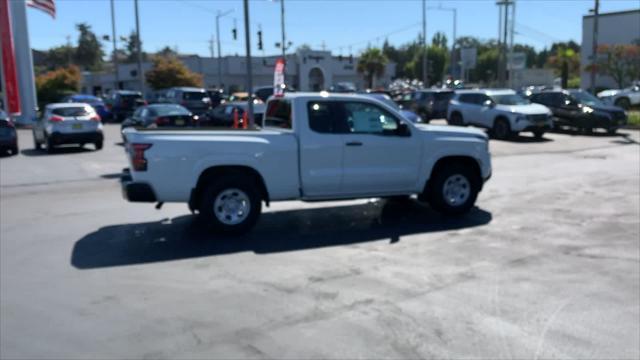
(68, 123)
(504, 112)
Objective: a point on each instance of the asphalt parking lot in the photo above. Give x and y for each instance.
(547, 265)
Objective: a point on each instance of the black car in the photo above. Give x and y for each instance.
(581, 110)
(161, 115)
(122, 103)
(224, 114)
(8, 135)
(428, 104)
(195, 99)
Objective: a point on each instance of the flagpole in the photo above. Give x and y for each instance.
(139, 49)
(24, 62)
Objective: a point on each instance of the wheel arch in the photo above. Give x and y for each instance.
(465, 160)
(211, 173)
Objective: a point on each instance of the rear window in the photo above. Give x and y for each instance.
(445, 95)
(170, 110)
(131, 96)
(72, 111)
(193, 95)
(278, 114)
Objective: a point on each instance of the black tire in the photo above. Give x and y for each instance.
(98, 145)
(443, 175)
(612, 131)
(502, 129)
(241, 185)
(36, 144)
(623, 103)
(51, 148)
(538, 134)
(14, 150)
(456, 119)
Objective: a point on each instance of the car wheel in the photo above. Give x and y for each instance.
(14, 150)
(453, 189)
(612, 131)
(231, 205)
(50, 146)
(501, 129)
(98, 145)
(623, 103)
(538, 134)
(456, 119)
(36, 143)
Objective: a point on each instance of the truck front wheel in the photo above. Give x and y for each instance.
(453, 189)
(230, 205)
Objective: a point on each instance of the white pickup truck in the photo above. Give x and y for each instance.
(311, 147)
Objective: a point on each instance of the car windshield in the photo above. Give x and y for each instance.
(72, 111)
(194, 95)
(585, 98)
(510, 99)
(169, 110)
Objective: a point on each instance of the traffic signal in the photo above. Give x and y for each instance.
(259, 39)
(234, 32)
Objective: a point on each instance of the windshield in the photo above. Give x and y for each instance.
(510, 99)
(194, 95)
(72, 111)
(169, 110)
(585, 98)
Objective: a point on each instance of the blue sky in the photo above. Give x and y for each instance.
(189, 24)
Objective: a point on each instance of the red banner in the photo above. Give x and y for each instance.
(10, 75)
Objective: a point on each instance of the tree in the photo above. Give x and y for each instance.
(303, 47)
(169, 72)
(52, 86)
(371, 64)
(131, 48)
(439, 40)
(60, 56)
(437, 58)
(167, 52)
(565, 62)
(89, 51)
(621, 62)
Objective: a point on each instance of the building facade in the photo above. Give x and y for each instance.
(614, 28)
(306, 70)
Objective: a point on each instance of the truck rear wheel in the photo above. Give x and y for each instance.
(453, 189)
(230, 205)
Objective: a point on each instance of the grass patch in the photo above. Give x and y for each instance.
(634, 118)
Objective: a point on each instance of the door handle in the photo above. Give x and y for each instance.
(354, 143)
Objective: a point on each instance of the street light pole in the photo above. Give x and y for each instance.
(218, 16)
(455, 27)
(284, 48)
(594, 49)
(247, 40)
(425, 77)
(139, 49)
(115, 48)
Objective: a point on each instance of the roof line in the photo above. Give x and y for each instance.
(614, 13)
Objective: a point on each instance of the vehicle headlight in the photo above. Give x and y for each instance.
(587, 110)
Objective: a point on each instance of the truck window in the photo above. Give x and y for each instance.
(278, 114)
(327, 117)
(366, 118)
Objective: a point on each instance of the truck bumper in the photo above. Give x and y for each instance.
(135, 191)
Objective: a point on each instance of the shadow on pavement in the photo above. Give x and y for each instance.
(66, 150)
(111, 176)
(183, 238)
(525, 139)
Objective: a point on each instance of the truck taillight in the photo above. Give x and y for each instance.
(137, 156)
(96, 118)
(56, 118)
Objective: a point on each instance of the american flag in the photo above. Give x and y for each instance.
(48, 6)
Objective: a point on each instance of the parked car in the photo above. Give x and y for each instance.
(429, 104)
(409, 115)
(343, 87)
(195, 99)
(96, 102)
(625, 98)
(8, 135)
(581, 110)
(503, 112)
(122, 103)
(331, 147)
(263, 92)
(161, 115)
(68, 123)
(216, 96)
(223, 115)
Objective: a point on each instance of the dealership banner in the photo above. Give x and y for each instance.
(9, 75)
(278, 78)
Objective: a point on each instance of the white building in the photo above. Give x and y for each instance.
(307, 70)
(614, 28)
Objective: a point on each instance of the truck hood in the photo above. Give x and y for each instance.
(529, 109)
(453, 131)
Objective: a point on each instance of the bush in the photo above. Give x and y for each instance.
(169, 72)
(53, 85)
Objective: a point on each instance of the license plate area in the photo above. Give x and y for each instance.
(76, 126)
(179, 122)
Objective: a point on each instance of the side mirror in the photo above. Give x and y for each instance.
(489, 104)
(403, 130)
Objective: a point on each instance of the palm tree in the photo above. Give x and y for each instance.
(372, 63)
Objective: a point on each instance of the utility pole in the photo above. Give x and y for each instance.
(218, 16)
(455, 27)
(503, 39)
(425, 77)
(284, 47)
(211, 41)
(594, 49)
(512, 31)
(247, 40)
(139, 49)
(116, 77)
